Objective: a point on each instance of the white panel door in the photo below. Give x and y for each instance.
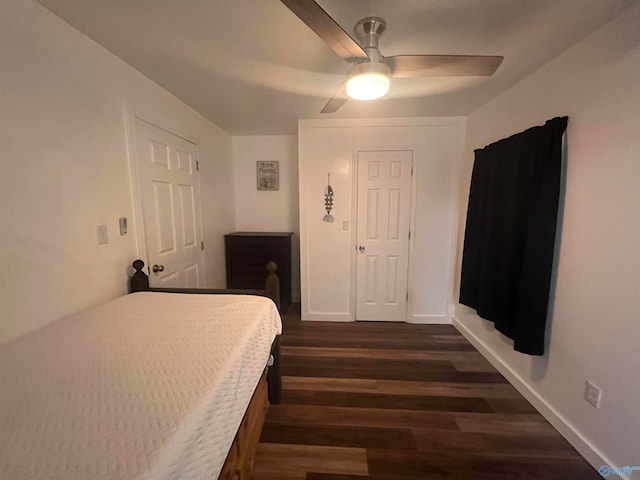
(168, 176)
(384, 203)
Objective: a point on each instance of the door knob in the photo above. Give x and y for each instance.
(361, 248)
(157, 268)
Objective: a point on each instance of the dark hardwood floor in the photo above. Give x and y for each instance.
(385, 401)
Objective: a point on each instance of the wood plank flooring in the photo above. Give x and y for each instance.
(383, 401)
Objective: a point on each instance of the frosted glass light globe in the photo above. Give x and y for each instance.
(368, 81)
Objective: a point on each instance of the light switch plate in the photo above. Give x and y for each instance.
(122, 222)
(592, 394)
(103, 235)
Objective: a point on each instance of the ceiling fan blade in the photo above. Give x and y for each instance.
(326, 28)
(339, 98)
(443, 65)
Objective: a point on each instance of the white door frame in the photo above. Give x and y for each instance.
(134, 177)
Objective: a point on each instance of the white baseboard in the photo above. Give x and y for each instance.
(429, 319)
(595, 457)
(326, 317)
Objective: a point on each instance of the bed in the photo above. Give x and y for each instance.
(152, 385)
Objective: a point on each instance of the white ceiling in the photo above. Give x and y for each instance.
(253, 68)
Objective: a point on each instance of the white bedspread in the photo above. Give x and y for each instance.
(147, 386)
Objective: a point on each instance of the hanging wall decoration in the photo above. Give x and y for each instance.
(328, 201)
(267, 173)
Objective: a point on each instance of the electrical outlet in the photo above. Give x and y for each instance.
(103, 235)
(592, 394)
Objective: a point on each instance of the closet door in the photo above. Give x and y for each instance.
(384, 205)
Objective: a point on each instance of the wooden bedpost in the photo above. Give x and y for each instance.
(274, 378)
(272, 287)
(272, 284)
(140, 280)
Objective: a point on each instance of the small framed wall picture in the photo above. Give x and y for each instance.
(267, 173)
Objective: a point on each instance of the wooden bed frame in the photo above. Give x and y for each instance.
(240, 458)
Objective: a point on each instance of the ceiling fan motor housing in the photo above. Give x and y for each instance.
(368, 31)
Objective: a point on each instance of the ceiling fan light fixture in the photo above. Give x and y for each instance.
(368, 81)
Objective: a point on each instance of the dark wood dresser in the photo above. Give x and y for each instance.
(247, 253)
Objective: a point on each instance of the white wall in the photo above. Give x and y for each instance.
(595, 325)
(328, 254)
(268, 211)
(325, 248)
(64, 168)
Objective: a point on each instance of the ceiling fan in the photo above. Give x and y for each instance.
(370, 73)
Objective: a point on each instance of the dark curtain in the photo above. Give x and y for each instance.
(510, 233)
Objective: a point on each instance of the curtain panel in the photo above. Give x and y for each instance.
(510, 233)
